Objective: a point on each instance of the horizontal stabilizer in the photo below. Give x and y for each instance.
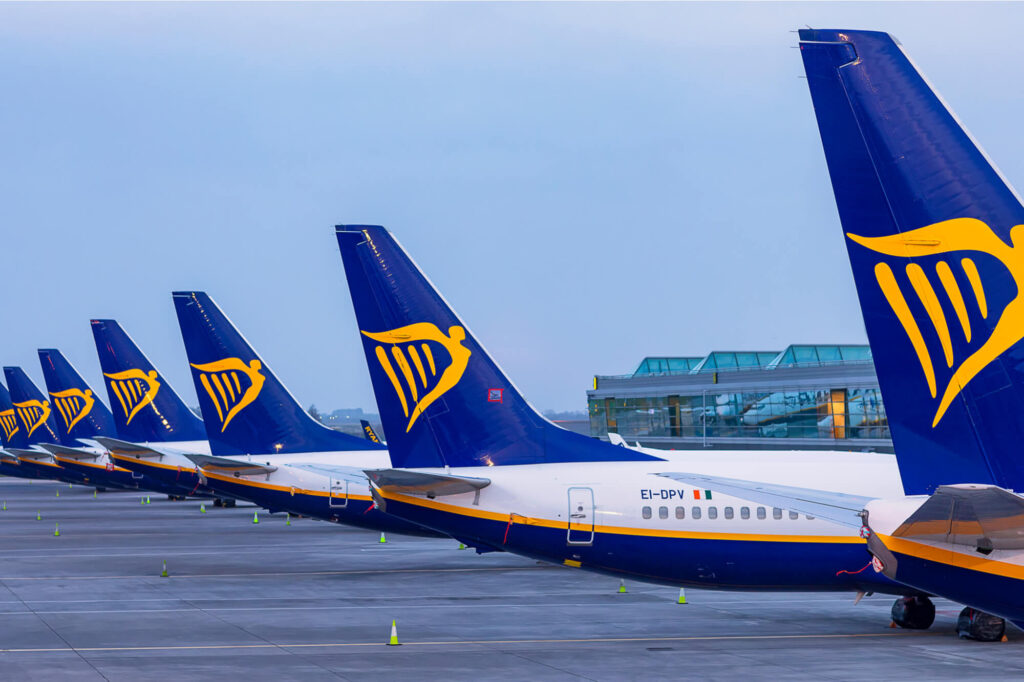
(417, 482)
(21, 453)
(70, 453)
(836, 507)
(123, 447)
(335, 471)
(233, 466)
(982, 516)
(7, 456)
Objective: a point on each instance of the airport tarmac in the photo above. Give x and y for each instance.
(315, 600)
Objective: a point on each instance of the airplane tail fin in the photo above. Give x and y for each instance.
(245, 408)
(368, 431)
(931, 229)
(33, 411)
(80, 413)
(11, 433)
(146, 409)
(443, 401)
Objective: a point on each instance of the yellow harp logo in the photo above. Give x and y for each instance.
(420, 374)
(959, 234)
(134, 390)
(73, 404)
(9, 423)
(33, 414)
(231, 385)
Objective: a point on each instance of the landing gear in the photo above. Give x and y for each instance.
(913, 613)
(980, 626)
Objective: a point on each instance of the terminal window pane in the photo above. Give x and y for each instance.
(695, 512)
(662, 512)
(712, 512)
(728, 512)
(680, 512)
(744, 512)
(646, 511)
(762, 514)
(776, 513)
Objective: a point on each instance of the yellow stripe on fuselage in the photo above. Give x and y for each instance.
(950, 557)
(619, 530)
(156, 465)
(279, 488)
(66, 460)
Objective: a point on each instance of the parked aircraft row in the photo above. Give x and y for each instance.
(929, 227)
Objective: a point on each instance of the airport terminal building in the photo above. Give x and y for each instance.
(806, 397)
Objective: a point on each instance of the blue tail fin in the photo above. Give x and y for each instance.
(368, 431)
(33, 410)
(931, 228)
(245, 408)
(80, 413)
(146, 409)
(11, 433)
(443, 401)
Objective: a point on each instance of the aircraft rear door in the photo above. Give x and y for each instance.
(337, 497)
(581, 516)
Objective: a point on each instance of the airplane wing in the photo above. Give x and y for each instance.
(983, 516)
(836, 507)
(418, 482)
(29, 454)
(335, 471)
(70, 453)
(231, 466)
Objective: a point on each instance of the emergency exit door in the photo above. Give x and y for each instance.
(581, 516)
(337, 496)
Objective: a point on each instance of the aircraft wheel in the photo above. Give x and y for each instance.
(228, 502)
(980, 626)
(913, 613)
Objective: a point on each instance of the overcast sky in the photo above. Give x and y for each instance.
(586, 183)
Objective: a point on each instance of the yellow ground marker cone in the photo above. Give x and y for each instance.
(94, 493)
(142, 500)
(202, 508)
(255, 518)
(622, 587)
(382, 538)
(682, 596)
(462, 546)
(56, 530)
(58, 493)
(147, 499)
(163, 573)
(69, 485)
(287, 519)
(5, 505)
(39, 516)
(394, 636)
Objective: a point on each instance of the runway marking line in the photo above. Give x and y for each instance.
(603, 640)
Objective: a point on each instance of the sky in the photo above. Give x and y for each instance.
(587, 184)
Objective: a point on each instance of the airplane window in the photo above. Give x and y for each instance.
(776, 513)
(662, 512)
(744, 512)
(761, 513)
(810, 518)
(695, 512)
(680, 512)
(646, 511)
(794, 515)
(728, 512)
(712, 512)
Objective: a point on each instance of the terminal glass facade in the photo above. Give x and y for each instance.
(803, 392)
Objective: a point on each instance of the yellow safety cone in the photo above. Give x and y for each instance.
(94, 493)
(622, 587)
(147, 499)
(462, 546)
(394, 636)
(682, 596)
(287, 519)
(5, 505)
(255, 518)
(142, 500)
(56, 530)
(382, 538)
(163, 573)
(39, 516)
(202, 508)
(69, 485)
(58, 493)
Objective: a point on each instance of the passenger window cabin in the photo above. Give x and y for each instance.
(762, 514)
(712, 512)
(646, 511)
(695, 512)
(662, 512)
(728, 512)
(744, 513)
(680, 512)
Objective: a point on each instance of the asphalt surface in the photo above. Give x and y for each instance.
(315, 601)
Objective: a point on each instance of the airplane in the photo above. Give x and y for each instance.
(82, 418)
(265, 447)
(11, 435)
(154, 426)
(472, 459)
(369, 433)
(932, 231)
(36, 425)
